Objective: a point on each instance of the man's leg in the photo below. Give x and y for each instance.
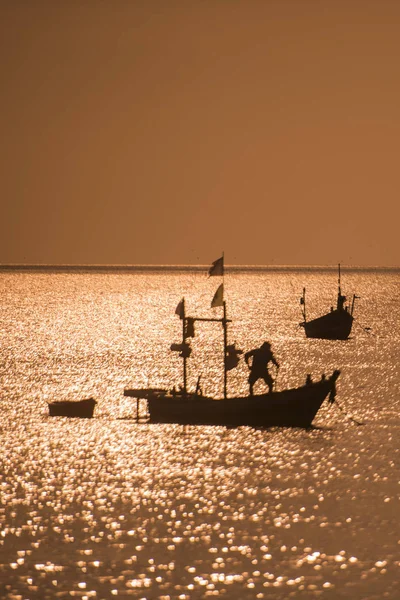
(252, 380)
(269, 381)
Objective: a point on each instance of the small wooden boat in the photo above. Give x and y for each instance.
(64, 408)
(295, 407)
(335, 325)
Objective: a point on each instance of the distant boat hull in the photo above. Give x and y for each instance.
(335, 325)
(295, 407)
(82, 408)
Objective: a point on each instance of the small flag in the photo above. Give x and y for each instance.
(301, 300)
(180, 309)
(218, 299)
(217, 268)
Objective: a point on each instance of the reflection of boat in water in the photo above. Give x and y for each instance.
(65, 408)
(294, 407)
(335, 325)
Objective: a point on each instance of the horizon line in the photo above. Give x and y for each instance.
(179, 267)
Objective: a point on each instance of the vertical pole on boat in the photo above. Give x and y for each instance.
(225, 325)
(339, 296)
(352, 304)
(303, 303)
(184, 342)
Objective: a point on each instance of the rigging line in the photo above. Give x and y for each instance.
(347, 415)
(366, 329)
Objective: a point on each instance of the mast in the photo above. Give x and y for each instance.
(183, 348)
(188, 329)
(224, 320)
(184, 353)
(340, 299)
(303, 304)
(225, 326)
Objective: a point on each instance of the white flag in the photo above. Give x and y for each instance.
(218, 299)
(217, 268)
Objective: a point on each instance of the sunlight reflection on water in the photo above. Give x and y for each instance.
(107, 507)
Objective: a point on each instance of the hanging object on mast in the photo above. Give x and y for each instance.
(183, 348)
(232, 357)
(189, 327)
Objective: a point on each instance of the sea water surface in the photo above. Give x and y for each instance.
(111, 508)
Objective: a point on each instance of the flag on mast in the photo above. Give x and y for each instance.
(217, 267)
(180, 309)
(218, 299)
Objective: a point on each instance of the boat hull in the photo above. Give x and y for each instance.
(83, 408)
(335, 325)
(295, 407)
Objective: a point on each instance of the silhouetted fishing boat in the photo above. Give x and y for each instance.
(80, 408)
(335, 325)
(294, 407)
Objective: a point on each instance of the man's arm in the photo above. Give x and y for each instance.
(248, 355)
(275, 361)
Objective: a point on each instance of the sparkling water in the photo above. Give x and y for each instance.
(111, 508)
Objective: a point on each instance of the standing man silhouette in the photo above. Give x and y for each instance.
(259, 365)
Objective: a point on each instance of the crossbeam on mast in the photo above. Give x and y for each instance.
(222, 320)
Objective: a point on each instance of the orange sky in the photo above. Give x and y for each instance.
(164, 131)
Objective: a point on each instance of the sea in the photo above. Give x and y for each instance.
(110, 507)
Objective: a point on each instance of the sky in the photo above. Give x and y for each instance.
(166, 132)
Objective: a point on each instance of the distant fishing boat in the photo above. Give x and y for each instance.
(335, 325)
(295, 407)
(81, 408)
